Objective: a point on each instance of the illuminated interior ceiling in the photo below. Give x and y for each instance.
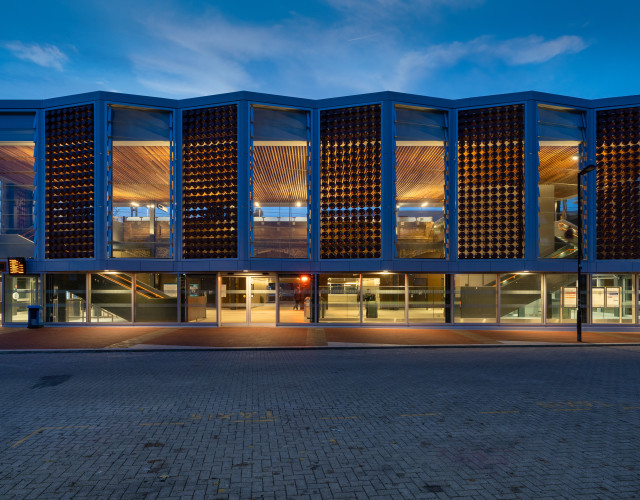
(140, 173)
(559, 167)
(279, 174)
(16, 164)
(419, 173)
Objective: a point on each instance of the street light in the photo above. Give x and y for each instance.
(585, 170)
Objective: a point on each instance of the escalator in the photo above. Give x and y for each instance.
(112, 293)
(566, 239)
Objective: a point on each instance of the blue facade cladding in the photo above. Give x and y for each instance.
(150, 210)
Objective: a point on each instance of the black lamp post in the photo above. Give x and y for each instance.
(585, 170)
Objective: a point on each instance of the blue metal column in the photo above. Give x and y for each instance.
(315, 186)
(592, 202)
(100, 185)
(531, 190)
(451, 195)
(387, 176)
(39, 192)
(177, 232)
(243, 185)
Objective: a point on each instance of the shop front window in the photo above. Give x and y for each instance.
(383, 298)
(339, 298)
(140, 183)
(111, 297)
(295, 298)
(20, 292)
(612, 298)
(199, 304)
(475, 298)
(65, 298)
(156, 298)
(420, 182)
(427, 298)
(520, 298)
(562, 298)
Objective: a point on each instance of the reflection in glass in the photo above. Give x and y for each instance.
(475, 298)
(17, 183)
(65, 298)
(383, 298)
(561, 149)
(612, 298)
(420, 182)
(339, 298)
(111, 297)
(295, 298)
(427, 298)
(279, 188)
(156, 298)
(199, 303)
(19, 293)
(521, 298)
(140, 170)
(562, 303)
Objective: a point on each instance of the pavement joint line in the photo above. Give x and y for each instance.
(339, 418)
(41, 429)
(502, 411)
(631, 407)
(419, 414)
(571, 409)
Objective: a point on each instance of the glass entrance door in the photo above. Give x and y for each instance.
(233, 300)
(262, 298)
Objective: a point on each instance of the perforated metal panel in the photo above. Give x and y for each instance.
(350, 190)
(210, 182)
(618, 184)
(69, 182)
(491, 183)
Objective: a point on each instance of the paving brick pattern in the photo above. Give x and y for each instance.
(306, 424)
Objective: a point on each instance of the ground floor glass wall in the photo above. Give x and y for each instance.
(382, 298)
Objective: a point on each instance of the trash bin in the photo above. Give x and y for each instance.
(33, 317)
(307, 308)
(372, 310)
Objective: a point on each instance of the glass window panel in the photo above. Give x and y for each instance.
(339, 298)
(475, 298)
(156, 298)
(263, 299)
(612, 298)
(296, 299)
(383, 298)
(521, 298)
(561, 147)
(420, 183)
(200, 298)
(111, 297)
(280, 165)
(19, 293)
(66, 298)
(141, 183)
(233, 299)
(17, 184)
(562, 301)
(427, 298)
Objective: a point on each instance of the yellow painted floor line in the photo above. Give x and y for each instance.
(338, 418)
(572, 409)
(38, 431)
(502, 411)
(419, 414)
(162, 423)
(631, 407)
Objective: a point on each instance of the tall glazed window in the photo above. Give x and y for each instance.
(141, 185)
(17, 143)
(561, 144)
(280, 169)
(420, 171)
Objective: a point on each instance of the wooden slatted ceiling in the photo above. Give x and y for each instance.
(141, 174)
(558, 167)
(16, 164)
(279, 174)
(420, 173)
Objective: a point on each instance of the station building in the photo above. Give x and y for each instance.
(376, 209)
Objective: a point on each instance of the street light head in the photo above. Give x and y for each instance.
(587, 169)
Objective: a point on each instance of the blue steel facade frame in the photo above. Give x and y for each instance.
(314, 265)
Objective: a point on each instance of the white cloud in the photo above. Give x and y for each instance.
(46, 55)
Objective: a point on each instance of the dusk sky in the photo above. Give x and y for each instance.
(319, 48)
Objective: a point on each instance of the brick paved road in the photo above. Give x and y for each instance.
(396, 423)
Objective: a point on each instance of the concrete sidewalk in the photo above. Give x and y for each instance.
(152, 337)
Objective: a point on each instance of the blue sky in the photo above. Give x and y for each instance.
(319, 48)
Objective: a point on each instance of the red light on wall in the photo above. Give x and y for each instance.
(304, 279)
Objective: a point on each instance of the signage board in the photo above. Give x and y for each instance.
(17, 265)
(612, 297)
(569, 296)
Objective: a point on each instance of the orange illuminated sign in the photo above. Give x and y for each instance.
(17, 265)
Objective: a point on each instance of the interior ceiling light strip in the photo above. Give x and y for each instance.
(618, 183)
(350, 183)
(69, 182)
(491, 183)
(210, 182)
